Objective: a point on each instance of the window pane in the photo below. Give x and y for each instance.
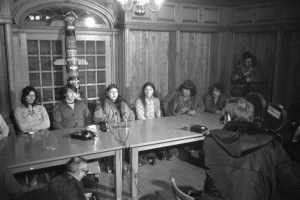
(56, 48)
(34, 79)
(91, 77)
(46, 79)
(90, 47)
(58, 78)
(47, 95)
(33, 63)
(91, 105)
(46, 63)
(83, 92)
(91, 61)
(82, 77)
(101, 90)
(100, 47)
(91, 91)
(80, 47)
(101, 62)
(57, 93)
(32, 46)
(48, 106)
(38, 95)
(45, 47)
(101, 77)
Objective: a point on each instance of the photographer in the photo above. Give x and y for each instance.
(242, 162)
(67, 186)
(246, 76)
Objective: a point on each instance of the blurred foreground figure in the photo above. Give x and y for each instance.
(241, 162)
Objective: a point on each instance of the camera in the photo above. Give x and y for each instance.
(268, 117)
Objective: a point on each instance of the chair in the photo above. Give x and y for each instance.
(179, 194)
(14, 122)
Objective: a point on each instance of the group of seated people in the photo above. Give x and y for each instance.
(241, 161)
(71, 112)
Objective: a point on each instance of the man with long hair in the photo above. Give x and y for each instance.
(70, 112)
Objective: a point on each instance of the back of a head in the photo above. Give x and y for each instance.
(239, 109)
(75, 164)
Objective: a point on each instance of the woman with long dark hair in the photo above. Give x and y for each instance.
(30, 116)
(147, 106)
(112, 107)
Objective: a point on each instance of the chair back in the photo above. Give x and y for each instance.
(178, 193)
(14, 122)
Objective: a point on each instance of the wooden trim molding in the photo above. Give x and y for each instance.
(23, 8)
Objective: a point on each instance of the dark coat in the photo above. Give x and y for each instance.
(66, 187)
(243, 163)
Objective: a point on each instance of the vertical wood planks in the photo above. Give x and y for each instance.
(148, 61)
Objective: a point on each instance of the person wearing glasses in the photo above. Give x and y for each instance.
(67, 186)
(244, 162)
(31, 116)
(183, 101)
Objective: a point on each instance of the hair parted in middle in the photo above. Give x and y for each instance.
(75, 164)
(188, 84)
(142, 96)
(26, 92)
(239, 109)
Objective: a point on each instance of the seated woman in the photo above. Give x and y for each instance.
(30, 116)
(147, 106)
(214, 100)
(4, 129)
(71, 112)
(183, 101)
(113, 107)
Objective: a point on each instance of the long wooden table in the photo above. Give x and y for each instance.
(30, 152)
(163, 132)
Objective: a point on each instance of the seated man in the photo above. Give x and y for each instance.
(4, 129)
(243, 162)
(67, 186)
(183, 100)
(214, 100)
(71, 112)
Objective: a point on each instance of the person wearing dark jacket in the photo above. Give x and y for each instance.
(244, 163)
(67, 186)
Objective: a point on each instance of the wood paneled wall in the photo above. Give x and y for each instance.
(286, 89)
(4, 87)
(168, 58)
(147, 60)
(262, 45)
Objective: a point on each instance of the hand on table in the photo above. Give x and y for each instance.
(191, 113)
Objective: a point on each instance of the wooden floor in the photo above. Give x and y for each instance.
(154, 181)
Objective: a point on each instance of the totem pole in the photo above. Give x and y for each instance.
(71, 61)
